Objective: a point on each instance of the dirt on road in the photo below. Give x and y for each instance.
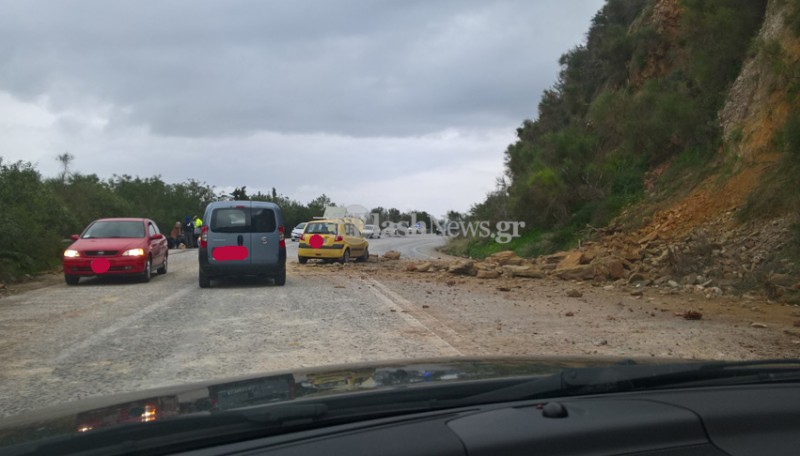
(525, 316)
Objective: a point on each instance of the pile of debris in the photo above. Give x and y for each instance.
(696, 262)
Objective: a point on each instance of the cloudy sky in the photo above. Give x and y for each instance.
(398, 103)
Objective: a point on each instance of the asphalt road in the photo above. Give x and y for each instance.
(62, 343)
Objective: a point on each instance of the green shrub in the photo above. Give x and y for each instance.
(793, 18)
(790, 136)
(32, 222)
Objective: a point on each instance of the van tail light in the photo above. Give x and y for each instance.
(339, 239)
(282, 241)
(204, 237)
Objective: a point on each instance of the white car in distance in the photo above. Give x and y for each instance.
(298, 231)
(371, 231)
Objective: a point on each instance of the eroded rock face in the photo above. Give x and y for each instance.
(750, 99)
(665, 19)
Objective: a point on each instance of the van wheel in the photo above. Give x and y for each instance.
(148, 270)
(163, 269)
(345, 256)
(302, 260)
(364, 257)
(280, 278)
(71, 279)
(203, 280)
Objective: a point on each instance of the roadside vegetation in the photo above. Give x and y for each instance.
(39, 213)
(631, 100)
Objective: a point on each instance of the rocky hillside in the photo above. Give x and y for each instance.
(697, 193)
(737, 229)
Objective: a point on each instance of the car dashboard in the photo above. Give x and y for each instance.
(731, 420)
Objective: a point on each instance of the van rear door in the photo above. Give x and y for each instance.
(266, 237)
(229, 235)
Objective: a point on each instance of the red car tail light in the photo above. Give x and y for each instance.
(303, 237)
(204, 237)
(282, 242)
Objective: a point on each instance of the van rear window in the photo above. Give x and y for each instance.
(263, 220)
(242, 220)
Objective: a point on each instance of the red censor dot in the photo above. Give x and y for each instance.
(230, 253)
(316, 241)
(100, 266)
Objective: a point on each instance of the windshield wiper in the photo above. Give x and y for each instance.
(630, 376)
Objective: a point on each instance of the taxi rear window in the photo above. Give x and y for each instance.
(242, 220)
(322, 228)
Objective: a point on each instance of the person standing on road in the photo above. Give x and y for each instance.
(175, 236)
(198, 224)
(188, 232)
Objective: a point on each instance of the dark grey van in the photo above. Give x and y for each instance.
(240, 238)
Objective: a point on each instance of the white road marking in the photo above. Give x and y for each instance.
(416, 248)
(101, 335)
(418, 318)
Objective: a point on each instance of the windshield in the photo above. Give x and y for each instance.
(121, 229)
(322, 183)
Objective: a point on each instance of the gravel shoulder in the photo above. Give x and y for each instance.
(538, 317)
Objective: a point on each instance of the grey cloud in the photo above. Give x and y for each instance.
(213, 68)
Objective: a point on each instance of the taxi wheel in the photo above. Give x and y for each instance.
(345, 256)
(71, 279)
(302, 260)
(364, 257)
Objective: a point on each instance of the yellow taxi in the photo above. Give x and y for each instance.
(334, 239)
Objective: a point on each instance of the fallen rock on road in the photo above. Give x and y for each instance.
(392, 255)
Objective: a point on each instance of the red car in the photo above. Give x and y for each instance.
(116, 246)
